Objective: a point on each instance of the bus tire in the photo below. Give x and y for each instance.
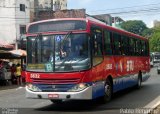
(139, 81)
(56, 101)
(107, 92)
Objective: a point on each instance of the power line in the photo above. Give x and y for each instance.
(131, 11)
(136, 11)
(126, 7)
(145, 13)
(140, 11)
(89, 11)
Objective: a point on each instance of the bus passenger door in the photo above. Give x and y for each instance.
(97, 61)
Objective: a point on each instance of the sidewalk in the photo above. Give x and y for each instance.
(156, 110)
(5, 87)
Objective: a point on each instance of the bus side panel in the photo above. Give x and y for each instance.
(97, 80)
(131, 71)
(126, 73)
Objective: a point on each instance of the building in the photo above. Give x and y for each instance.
(50, 4)
(105, 18)
(116, 22)
(14, 16)
(39, 6)
(74, 13)
(53, 4)
(156, 23)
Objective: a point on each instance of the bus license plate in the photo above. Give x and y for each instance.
(53, 96)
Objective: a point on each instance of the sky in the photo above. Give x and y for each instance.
(145, 10)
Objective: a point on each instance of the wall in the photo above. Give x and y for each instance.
(76, 13)
(22, 17)
(7, 21)
(11, 18)
(57, 4)
(156, 23)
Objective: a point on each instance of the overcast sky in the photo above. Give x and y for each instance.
(145, 10)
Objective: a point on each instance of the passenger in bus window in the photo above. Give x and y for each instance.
(48, 55)
(63, 53)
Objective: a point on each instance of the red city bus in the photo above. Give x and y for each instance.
(83, 59)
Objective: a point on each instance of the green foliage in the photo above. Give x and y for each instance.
(155, 40)
(147, 32)
(134, 26)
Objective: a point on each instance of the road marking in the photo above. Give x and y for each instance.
(153, 104)
(19, 88)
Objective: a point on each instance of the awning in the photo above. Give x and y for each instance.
(8, 46)
(5, 45)
(18, 52)
(8, 55)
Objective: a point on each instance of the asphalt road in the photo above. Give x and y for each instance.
(129, 101)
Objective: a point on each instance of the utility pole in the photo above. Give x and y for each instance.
(36, 9)
(51, 10)
(51, 5)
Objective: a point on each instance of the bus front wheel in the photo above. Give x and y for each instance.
(107, 92)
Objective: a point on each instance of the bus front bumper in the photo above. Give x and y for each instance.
(85, 94)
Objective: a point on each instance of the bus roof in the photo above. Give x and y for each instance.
(114, 29)
(94, 21)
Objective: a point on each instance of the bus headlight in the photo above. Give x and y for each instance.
(79, 87)
(33, 88)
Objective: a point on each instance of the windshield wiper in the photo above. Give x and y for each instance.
(37, 37)
(62, 43)
(34, 43)
(66, 37)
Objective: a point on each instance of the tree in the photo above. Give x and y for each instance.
(134, 26)
(155, 40)
(148, 32)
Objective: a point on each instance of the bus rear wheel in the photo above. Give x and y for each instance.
(139, 81)
(56, 101)
(107, 92)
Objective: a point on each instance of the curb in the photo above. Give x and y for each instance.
(153, 105)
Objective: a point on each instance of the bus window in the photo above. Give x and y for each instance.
(143, 48)
(125, 45)
(138, 47)
(117, 44)
(107, 43)
(146, 49)
(132, 47)
(97, 45)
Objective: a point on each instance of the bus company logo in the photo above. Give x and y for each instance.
(53, 86)
(35, 76)
(109, 67)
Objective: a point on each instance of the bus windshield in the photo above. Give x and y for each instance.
(58, 53)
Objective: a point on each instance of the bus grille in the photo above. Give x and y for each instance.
(56, 81)
(55, 87)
